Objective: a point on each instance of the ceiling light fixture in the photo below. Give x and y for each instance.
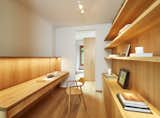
(80, 6)
(82, 11)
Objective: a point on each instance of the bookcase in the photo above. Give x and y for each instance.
(144, 30)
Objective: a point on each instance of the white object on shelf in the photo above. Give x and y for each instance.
(113, 55)
(139, 50)
(141, 55)
(112, 76)
(109, 71)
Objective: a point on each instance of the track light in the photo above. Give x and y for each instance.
(82, 11)
(80, 6)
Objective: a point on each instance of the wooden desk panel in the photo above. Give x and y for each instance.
(15, 99)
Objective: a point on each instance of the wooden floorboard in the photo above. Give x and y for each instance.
(54, 105)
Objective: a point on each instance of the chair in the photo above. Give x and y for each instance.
(74, 87)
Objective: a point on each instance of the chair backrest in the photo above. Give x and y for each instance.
(82, 80)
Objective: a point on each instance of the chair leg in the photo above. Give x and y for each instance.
(84, 103)
(69, 104)
(79, 97)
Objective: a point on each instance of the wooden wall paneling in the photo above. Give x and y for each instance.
(22, 70)
(17, 70)
(156, 85)
(53, 64)
(6, 72)
(58, 64)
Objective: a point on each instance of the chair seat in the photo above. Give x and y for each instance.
(75, 84)
(74, 91)
(79, 84)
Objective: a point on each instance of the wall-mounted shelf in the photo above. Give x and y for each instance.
(143, 17)
(133, 8)
(144, 59)
(139, 26)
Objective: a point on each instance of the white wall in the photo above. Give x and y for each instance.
(66, 47)
(22, 33)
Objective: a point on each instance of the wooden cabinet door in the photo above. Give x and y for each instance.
(89, 58)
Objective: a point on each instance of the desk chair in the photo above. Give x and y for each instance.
(74, 87)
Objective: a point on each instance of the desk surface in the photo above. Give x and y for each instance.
(11, 96)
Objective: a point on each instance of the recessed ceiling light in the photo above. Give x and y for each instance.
(82, 11)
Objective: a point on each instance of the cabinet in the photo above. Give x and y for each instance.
(112, 105)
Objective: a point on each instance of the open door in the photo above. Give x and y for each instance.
(89, 59)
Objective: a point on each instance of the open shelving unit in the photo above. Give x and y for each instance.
(139, 26)
(144, 30)
(133, 8)
(146, 59)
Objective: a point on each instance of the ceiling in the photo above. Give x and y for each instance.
(66, 12)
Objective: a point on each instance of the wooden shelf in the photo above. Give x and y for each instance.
(111, 88)
(148, 59)
(133, 8)
(139, 26)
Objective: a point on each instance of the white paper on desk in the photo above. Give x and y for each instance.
(47, 79)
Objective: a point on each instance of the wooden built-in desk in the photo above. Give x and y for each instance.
(16, 98)
(113, 106)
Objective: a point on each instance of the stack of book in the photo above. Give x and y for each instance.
(131, 102)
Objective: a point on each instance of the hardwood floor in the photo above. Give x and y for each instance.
(55, 105)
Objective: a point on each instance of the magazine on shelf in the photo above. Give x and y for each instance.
(138, 109)
(132, 102)
(131, 98)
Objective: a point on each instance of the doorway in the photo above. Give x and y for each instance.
(89, 59)
(85, 55)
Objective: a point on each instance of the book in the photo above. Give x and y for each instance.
(138, 109)
(121, 99)
(130, 98)
(127, 50)
(131, 102)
